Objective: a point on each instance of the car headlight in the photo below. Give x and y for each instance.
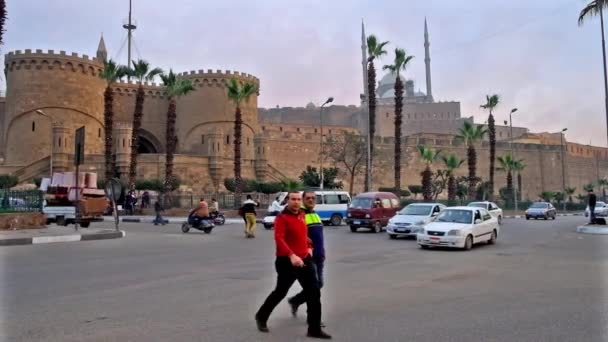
(455, 232)
(367, 216)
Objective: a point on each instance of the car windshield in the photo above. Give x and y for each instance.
(422, 210)
(600, 204)
(455, 215)
(477, 205)
(539, 205)
(361, 203)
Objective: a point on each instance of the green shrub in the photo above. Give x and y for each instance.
(8, 181)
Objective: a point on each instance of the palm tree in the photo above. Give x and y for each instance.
(111, 73)
(401, 62)
(141, 72)
(508, 164)
(570, 192)
(289, 184)
(452, 162)
(581, 198)
(588, 187)
(175, 88)
(596, 7)
(491, 103)
(429, 156)
(470, 134)
(547, 196)
(374, 50)
(239, 93)
(2, 19)
(519, 168)
(603, 183)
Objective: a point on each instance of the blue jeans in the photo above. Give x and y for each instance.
(159, 219)
(592, 214)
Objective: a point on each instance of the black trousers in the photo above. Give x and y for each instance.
(300, 298)
(287, 274)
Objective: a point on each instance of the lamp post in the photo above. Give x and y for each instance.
(513, 154)
(39, 112)
(329, 100)
(561, 137)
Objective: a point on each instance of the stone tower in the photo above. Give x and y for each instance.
(261, 160)
(122, 147)
(427, 61)
(62, 147)
(214, 144)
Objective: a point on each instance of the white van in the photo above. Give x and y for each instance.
(331, 206)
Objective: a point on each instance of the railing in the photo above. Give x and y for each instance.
(227, 201)
(34, 169)
(21, 201)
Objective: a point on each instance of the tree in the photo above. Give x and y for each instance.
(547, 196)
(581, 198)
(175, 88)
(374, 50)
(142, 73)
(401, 62)
(347, 150)
(470, 134)
(452, 162)
(428, 155)
(8, 181)
(111, 73)
(291, 185)
(508, 164)
(519, 168)
(440, 179)
(491, 103)
(596, 7)
(603, 183)
(588, 187)
(237, 93)
(311, 178)
(2, 20)
(415, 189)
(559, 197)
(570, 192)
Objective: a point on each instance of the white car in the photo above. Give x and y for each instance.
(460, 227)
(411, 219)
(491, 207)
(601, 209)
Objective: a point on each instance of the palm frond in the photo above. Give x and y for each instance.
(153, 73)
(593, 8)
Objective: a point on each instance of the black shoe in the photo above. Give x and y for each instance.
(261, 325)
(293, 306)
(319, 334)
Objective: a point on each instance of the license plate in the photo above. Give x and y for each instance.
(402, 230)
(435, 239)
(356, 222)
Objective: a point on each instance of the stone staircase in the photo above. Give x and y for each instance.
(39, 168)
(275, 174)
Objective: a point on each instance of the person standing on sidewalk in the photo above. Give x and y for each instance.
(294, 262)
(157, 209)
(592, 199)
(249, 214)
(315, 234)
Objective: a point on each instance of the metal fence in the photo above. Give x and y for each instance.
(227, 201)
(24, 201)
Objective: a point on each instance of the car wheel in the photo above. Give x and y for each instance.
(424, 246)
(185, 227)
(527, 217)
(546, 217)
(499, 219)
(468, 243)
(61, 221)
(336, 219)
(554, 215)
(267, 226)
(392, 236)
(493, 238)
(377, 227)
(85, 224)
(353, 229)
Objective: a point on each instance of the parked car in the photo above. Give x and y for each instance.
(601, 209)
(411, 219)
(543, 210)
(460, 227)
(491, 207)
(372, 210)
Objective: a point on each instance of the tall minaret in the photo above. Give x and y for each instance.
(427, 61)
(364, 61)
(102, 53)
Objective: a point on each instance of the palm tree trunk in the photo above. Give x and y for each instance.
(605, 71)
(238, 124)
(427, 184)
(171, 144)
(492, 134)
(472, 162)
(510, 185)
(352, 181)
(371, 90)
(108, 116)
(398, 122)
(519, 194)
(451, 188)
(137, 118)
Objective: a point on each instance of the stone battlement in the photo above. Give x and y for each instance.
(202, 76)
(50, 60)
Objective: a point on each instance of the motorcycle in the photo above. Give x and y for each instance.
(205, 225)
(218, 218)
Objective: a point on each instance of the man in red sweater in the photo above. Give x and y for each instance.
(294, 261)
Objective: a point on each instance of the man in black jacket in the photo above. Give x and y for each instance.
(591, 202)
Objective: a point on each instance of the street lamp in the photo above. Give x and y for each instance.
(39, 112)
(561, 137)
(513, 154)
(329, 100)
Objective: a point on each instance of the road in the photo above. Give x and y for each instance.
(541, 282)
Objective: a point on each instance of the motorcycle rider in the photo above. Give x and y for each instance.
(201, 212)
(214, 208)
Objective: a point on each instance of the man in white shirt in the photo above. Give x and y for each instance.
(275, 208)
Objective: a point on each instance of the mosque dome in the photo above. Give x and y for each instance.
(310, 105)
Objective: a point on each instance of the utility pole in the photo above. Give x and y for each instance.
(329, 100)
(515, 200)
(130, 27)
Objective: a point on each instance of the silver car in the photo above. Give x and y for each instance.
(410, 220)
(601, 209)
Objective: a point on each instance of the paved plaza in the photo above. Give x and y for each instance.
(541, 282)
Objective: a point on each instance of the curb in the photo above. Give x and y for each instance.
(524, 216)
(586, 229)
(36, 240)
(167, 220)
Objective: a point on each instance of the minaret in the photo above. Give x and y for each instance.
(427, 61)
(364, 61)
(102, 53)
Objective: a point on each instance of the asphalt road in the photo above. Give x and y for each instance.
(541, 282)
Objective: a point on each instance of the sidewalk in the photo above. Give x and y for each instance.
(54, 233)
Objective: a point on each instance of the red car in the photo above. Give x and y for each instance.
(372, 210)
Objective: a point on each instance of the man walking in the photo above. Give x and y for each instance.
(158, 208)
(591, 202)
(249, 214)
(294, 261)
(315, 234)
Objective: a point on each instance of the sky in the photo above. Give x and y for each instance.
(532, 53)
